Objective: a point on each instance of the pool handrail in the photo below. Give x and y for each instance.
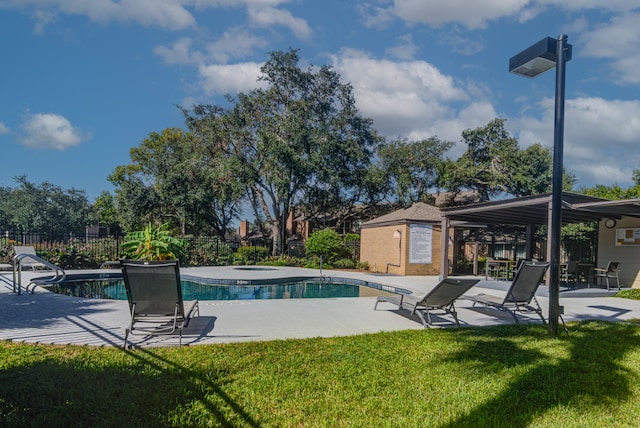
(59, 273)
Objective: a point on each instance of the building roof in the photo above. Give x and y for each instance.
(576, 208)
(419, 212)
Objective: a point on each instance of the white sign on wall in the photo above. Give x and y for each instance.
(420, 243)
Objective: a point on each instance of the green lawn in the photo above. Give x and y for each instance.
(504, 376)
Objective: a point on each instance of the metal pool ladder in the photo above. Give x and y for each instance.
(58, 276)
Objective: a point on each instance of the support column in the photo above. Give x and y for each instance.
(444, 248)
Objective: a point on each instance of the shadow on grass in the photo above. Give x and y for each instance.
(565, 375)
(139, 388)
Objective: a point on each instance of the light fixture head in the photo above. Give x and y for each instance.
(537, 58)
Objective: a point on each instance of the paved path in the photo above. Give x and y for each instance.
(45, 317)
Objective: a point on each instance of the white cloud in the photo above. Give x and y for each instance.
(178, 53)
(3, 129)
(413, 99)
(576, 5)
(169, 14)
(600, 141)
(375, 16)
(43, 18)
(51, 131)
(405, 49)
(476, 14)
(267, 16)
(399, 96)
(471, 14)
(229, 79)
(618, 41)
(234, 43)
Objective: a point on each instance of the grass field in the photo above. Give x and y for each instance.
(503, 376)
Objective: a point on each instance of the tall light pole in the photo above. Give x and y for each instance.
(535, 60)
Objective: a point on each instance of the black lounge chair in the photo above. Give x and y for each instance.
(441, 297)
(155, 298)
(521, 294)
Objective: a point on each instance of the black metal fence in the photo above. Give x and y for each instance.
(89, 250)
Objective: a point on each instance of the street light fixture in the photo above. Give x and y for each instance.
(531, 62)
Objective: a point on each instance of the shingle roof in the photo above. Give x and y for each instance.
(418, 212)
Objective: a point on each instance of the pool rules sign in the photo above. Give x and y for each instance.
(420, 243)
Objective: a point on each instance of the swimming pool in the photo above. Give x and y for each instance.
(111, 286)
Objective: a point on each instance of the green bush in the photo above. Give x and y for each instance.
(362, 265)
(314, 263)
(328, 245)
(352, 237)
(282, 261)
(250, 255)
(69, 257)
(344, 264)
(6, 250)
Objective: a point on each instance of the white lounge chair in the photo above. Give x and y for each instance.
(521, 294)
(442, 297)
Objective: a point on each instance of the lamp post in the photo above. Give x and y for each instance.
(283, 229)
(535, 60)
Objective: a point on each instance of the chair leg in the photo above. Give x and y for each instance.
(454, 314)
(515, 317)
(422, 318)
(128, 329)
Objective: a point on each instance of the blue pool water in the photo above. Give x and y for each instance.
(112, 287)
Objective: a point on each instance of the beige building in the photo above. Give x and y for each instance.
(404, 242)
(619, 241)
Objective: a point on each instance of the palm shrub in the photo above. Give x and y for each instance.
(326, 244)
(153, 244)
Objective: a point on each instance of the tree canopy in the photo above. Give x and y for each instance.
(411, 168)
(297, 141)
(495, 164)
(170, 179)
(45, 208)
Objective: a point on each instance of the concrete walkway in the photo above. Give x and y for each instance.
(45, 317)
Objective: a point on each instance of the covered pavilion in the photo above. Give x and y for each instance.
(535, 210)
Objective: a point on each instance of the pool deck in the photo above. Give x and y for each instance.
(45, 317)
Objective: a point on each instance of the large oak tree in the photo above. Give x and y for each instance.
(296, 141)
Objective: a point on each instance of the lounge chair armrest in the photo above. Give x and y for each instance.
(191, 307)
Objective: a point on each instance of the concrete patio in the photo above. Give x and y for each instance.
(45, 317)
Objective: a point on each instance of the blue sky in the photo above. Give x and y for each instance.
(83, 81)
